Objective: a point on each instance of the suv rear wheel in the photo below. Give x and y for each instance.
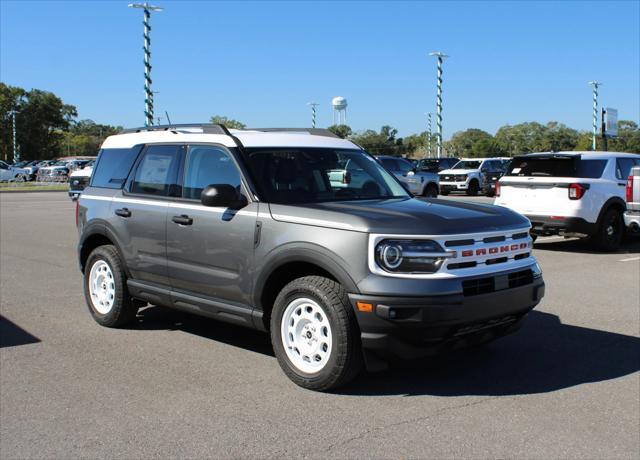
(105, 288)
(610, 232)
(430, 191)
(314, 333)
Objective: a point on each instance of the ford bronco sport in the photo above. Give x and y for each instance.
(246, 226)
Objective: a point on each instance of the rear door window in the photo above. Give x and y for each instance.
(113, 166)
(557, 167)
(157, 170)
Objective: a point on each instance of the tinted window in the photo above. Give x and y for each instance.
(467, 164)
(623, 167)
(157, 170)
(113, 166)
(207, 165)
(389, 164)
(557, 167)
(3, 165)
(404, 166)
(314, 175)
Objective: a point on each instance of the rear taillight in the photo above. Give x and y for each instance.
(77, 207)
(629, 190)
(576, 191)
(497, 188)
(347, 178)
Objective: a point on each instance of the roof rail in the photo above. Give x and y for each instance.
(207, 128)
(314, 131)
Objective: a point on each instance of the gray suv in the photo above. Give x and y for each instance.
(245, 226)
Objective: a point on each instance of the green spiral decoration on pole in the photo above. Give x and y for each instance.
(440, 56)
(148, 93)
(594, 127)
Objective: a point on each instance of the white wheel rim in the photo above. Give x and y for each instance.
(102, 287)
(306, 335)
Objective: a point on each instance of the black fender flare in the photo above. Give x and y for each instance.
(99, 228)
(302, 252)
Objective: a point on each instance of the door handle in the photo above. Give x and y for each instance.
(124, 212)
(622, 184)
(182, 220)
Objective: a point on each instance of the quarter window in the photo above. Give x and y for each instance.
(208, 165)
(113, 166)
(157, 170)
(623, 167)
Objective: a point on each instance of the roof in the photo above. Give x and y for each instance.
(248, 138)
(586, 154)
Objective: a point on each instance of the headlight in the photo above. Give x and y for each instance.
(537, 271)
(410, 256)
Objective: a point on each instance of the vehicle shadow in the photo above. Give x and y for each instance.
(161, 318)
(544, 356)
(12, 335)
(631, 245)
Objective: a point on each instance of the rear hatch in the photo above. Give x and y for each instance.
(539, 184)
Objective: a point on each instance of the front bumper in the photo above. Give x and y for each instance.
(558, 225)
(411, 327)
(452, 186)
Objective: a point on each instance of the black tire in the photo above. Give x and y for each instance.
(473, 188)
(345, 359)
(610, 231)
(444, 193)
(124, 308)
(490, 193)
(533, 236)
(430, 191)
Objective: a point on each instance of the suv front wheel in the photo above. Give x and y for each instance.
(314, 333)
(105, 288)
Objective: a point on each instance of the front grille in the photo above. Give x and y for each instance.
(487, 285)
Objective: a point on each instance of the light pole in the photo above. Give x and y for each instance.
(313, 106)
(148, 100)
(441, 57)
(429, 132)
(594, 84)
(16, 155)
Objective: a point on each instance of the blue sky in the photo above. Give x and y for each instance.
(261, 62)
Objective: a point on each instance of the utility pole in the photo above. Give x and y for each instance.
(313, 106)
(441, 57)
(603, 131)
(16, 155)
(148, 100)
(594, 84)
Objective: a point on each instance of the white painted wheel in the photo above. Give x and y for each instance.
(306, 335)
(102, 288)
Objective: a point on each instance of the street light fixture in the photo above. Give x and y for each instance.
(441, 57)
(148, 101)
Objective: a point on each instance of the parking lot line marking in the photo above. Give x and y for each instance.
(629, 259)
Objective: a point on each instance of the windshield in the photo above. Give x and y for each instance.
(315, 175)
(467, 164)
(59, 163)
(557, 167)
(429, 164)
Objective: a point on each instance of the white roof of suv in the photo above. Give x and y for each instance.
(589, 154)
(248, 138)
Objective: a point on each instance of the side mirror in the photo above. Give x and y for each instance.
(412, 172)
(222, 195)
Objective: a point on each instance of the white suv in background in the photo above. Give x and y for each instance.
(579, 194)
(468, 175)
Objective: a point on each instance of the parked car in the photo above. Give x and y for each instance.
(245, 227)
(10, 173)
(58, 171)
(579, 194)
(632, 196)
(435, 165)
(79, 179)
(491, 172)
(420, 183)
(468, 175)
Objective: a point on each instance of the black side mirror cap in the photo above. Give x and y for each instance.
(222, 195)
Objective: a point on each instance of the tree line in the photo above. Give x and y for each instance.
(46, 128)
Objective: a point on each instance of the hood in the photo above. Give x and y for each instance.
(85, 172)
(457, 171)
(402, 216)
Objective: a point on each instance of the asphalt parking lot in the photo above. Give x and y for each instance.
(566, 386)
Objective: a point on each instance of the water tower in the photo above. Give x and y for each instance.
(339, 105)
